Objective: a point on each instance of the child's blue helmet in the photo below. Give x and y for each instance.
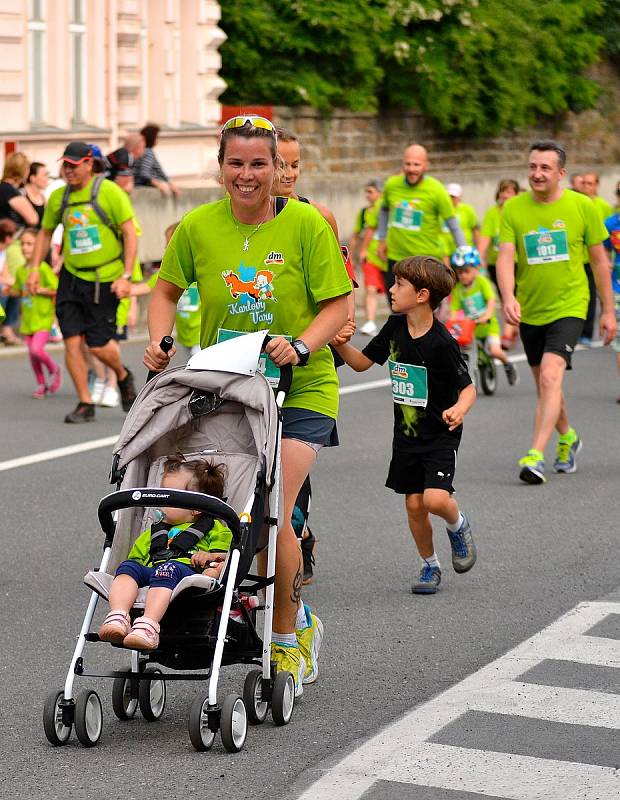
(465, 257)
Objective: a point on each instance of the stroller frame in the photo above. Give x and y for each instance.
(263, 687)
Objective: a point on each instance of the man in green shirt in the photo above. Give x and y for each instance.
(99, 248)
(589, 186)
(545, 231)
(413, 207)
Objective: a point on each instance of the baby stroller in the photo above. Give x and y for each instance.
(235, 420)
(481, 365)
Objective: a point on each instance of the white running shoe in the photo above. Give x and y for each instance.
(369, 328)
(110, 398)
(96, 394)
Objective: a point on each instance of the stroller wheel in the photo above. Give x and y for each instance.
(56, 732)
(201, 736)
(256, 708)
(283, 698)
(233, 723)
(152, 696)
(124, 698)
(88, 718)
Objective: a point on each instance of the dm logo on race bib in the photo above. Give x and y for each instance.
(400, 371)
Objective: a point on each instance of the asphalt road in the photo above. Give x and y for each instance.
(542, 550)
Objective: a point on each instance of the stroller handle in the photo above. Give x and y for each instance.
(166, 345)
(154, 497)
(286, 373)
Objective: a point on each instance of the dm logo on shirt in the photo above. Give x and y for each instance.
(560, 224)
(274, 258)
(251, 289)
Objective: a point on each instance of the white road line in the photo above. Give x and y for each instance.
(94, 444)
(402, 753)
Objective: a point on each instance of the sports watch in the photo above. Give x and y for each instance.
(303, 353)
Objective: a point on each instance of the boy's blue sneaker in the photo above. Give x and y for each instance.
(428, 581)
(463, 548)
(568, 447)
(532, 468)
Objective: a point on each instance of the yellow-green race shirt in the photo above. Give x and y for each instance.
(550, 240)
(416, 213)
(293, 262)
(490, 228)
(37, 310)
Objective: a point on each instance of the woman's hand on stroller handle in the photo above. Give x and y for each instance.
(202, 559)
(157, 356)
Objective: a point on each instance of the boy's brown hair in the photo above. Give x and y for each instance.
(426, 272)
(206, 477)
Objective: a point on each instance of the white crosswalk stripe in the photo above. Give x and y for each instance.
(402, 753)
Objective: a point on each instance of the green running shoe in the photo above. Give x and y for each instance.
(533, 468)
(565, 455)
(309, 640)
(289, 659)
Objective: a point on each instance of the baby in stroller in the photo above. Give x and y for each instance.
(180, 544)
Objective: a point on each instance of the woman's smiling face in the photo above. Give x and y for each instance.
(248, 173)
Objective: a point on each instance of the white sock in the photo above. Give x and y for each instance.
(454, 526)
(432, 561)
(302, 620)
(287, 639)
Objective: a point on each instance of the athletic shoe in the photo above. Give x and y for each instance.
(369, 328)
(40, 392)
(533, 468)
(56, 381)
(307, 553)
(309, 640)
(97, 391)
(110, 397)
(289, 658)
(127, 388)
(55, 334)
(463, 548)
(512, 375)
(83, 412)
(567, 448)
(428, 580)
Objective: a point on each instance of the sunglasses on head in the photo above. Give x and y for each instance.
(253, 121)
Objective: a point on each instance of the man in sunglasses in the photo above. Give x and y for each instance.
(99, 249)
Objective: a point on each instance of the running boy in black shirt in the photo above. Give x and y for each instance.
(432, 392)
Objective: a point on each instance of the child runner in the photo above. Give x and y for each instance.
(38, 317)
(432, 392)
(473, 294)
(155, 561)
(373, 267)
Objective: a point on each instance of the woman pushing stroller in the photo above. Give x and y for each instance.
(181, 543)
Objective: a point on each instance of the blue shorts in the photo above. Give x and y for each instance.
(309, 426)
(166, 575)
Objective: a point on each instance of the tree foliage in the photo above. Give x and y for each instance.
(473, 66)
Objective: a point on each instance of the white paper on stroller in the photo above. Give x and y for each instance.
(239, 355)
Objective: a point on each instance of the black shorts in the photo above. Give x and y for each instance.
(559, 337)
(412, 473)
(79, 315)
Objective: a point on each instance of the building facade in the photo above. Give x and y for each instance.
(96, 69)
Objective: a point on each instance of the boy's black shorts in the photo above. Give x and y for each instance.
(412, 473)
(559, 337)
(79, 315)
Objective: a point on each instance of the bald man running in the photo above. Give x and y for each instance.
(414, 205)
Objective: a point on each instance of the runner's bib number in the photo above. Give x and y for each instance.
(407, 217)
(84, 240)
(545, 247)
(189, 300)
(474, 305)
(265, 365)
(409, 384)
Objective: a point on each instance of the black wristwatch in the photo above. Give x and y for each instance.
(301, 348)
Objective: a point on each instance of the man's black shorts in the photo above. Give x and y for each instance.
(79, 315)
(412, 473)
(560, 337)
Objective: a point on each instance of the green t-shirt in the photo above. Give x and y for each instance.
(86, 241)
(468, 220)
(371, 218)
(550, 238)
(473, 301)
(603, 208)
(415, 217)
(187, 320)
(490, 228)
(217, 539)
(124, 305)
(37, 311)
(293, 262)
